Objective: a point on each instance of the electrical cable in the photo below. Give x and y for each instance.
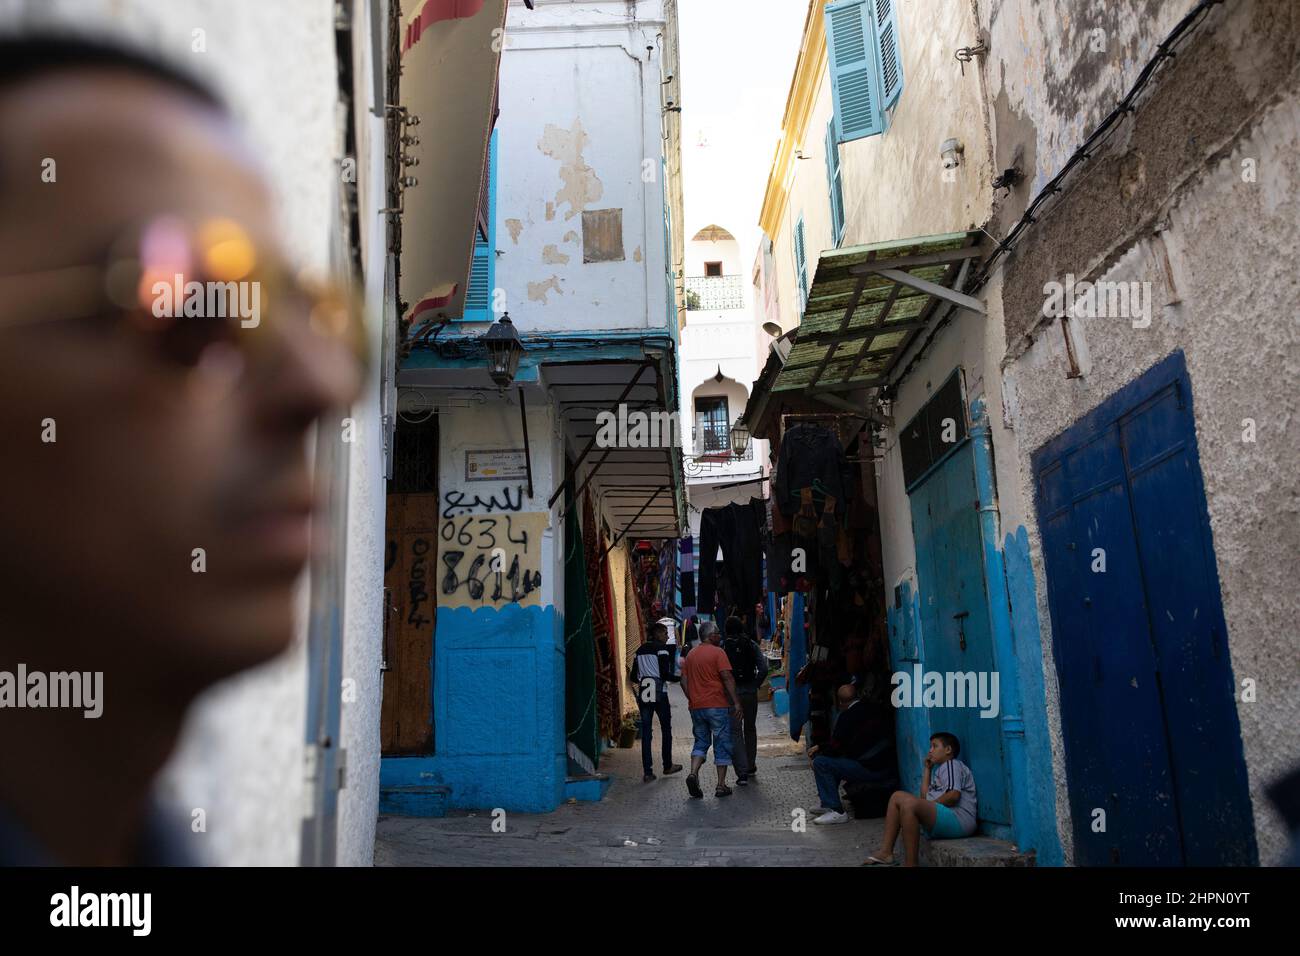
(1125, 107)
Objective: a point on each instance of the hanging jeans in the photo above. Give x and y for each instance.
(736, 529)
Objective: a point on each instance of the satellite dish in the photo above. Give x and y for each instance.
(772, 329)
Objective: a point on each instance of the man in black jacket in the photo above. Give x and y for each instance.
(855, 733)
(749, 668)
(653, 668)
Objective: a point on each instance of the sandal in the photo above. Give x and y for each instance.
(723, 791)
(877, 861)
(693, 785)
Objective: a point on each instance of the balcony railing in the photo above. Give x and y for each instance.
(714, 293)
(713, 449)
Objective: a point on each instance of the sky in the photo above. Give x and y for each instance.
(737, 60)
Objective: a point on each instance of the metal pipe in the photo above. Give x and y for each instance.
(528, 454)
(1004, 646)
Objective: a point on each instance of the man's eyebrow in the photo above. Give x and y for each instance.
(41, 55)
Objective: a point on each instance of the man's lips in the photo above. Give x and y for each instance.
(279, 531)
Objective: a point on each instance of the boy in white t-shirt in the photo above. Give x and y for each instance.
(945, 809)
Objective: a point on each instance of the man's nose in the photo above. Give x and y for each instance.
(311, 375)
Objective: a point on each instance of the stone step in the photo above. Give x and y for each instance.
(973, 851)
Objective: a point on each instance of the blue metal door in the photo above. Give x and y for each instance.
(955, 635)
(1152, 742)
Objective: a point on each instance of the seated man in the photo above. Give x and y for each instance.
(854, 735)
(946, 810)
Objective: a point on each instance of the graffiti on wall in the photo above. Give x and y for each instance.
(489, 559)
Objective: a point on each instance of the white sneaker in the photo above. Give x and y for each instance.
(832, 816)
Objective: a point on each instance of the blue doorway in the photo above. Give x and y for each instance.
(1153, 752)
(956, 632)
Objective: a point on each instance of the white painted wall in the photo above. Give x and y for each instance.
(580, 129)
(718, 340)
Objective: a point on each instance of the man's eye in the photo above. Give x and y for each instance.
(185, 339)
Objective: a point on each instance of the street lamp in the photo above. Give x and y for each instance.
(504, 351)
(739, 437)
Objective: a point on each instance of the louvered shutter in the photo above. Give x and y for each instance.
(855, 75)
(891, 60)
(801, 263)
(482, 273)
(833, 176)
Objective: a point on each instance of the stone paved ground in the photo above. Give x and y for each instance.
(751, 828)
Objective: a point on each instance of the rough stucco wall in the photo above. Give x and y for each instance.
(1064, 65)
(1180, 166)
(363, 610)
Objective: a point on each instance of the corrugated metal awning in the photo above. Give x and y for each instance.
(866, 306)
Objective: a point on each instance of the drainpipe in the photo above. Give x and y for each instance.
(1013, 723)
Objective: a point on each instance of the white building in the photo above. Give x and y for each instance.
(720, 360)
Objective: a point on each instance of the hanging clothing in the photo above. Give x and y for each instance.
(810, 453)
(737, 530)
(580, 710)
(778, 547)
(602, 623)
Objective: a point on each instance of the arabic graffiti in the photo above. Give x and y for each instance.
(458, 502)
(491, 560)
(415, 585)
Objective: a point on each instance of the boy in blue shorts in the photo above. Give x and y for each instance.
(945, 809)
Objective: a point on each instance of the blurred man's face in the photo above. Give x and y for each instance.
(152, 459)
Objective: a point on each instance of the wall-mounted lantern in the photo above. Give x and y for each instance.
(504, 351)
(739, 437)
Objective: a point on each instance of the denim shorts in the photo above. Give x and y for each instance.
(947, 826)
(712, 723)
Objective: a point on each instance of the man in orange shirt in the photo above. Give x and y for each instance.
(714, 703)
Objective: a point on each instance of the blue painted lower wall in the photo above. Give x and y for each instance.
(1022, 595)
(498, 700)
(912, 724)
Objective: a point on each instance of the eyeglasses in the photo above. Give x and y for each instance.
(186, 288)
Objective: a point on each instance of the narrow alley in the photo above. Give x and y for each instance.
(650, 824)
(421, 390)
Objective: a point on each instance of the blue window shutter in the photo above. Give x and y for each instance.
(891, 59)
(801, 263)
(482, 273)
(834, 177)
(855, 73)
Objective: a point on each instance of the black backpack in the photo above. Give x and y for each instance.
(747, 664)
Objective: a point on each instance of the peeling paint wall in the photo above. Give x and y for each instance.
(1197, 196)
(581, 157)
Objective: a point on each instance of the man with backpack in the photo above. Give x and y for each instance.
(653, 668)
(749, 668)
